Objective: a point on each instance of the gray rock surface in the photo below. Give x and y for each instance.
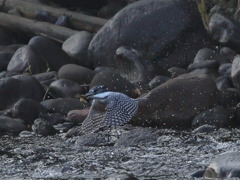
(76, 47)
(226, 165)
(76, 73)
(147, 26)
(11, 125)
(19, 87)
(177, 101)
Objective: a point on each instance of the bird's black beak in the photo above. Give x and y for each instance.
(89, 95)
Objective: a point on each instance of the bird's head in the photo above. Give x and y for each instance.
(97, 92)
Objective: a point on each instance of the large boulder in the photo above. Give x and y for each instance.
(176, 102)
(50, 51)
(11, 125)
(19, 87)
(26, 59)
(149, 26)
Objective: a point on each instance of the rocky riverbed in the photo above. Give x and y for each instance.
(173, 155)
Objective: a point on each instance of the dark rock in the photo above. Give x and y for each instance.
(77, 116)
(122, 177)
(76, 73)
(11, 125)
(224, 82)
(228, 98)
(177, 101)
(235, 73)
(51, 52)
(93, 139)
(5, 57)
(210, 72)
(43, 127)
(25, 59)
(3, 74)
(205, 129)
(225, 31)
(226, 165)
(63, 105)
(237, 114)
(157, 81)
(53, 118)
(110, 9)
(42, 15)
(114, 82)
(217, 116)
(197, 174)
(64, 88)
(46, 78)
(176, 71)
(228, 53)
(27, 110)
(209, 54)
(225, 69)
(137, 137)
(144, 26)
(63, 20)
(76, 47)
(210, 64)
(19, 87)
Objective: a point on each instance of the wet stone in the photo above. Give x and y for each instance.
(211, 64)
(225, 165)
(76, 73)
(176, 71)
(93, 139)
(224, 82)
(46, 78)
(137, 137)
(114, 82)
(26, 59)
(225, 69)
(11, 125)
(51, 52)
(217, 116)
(63, 105)
(64, 88)
(228, 53)
(19, 87)
(157, 81)
(43, 127)
(27, 110)
(76, 46)
(228, 97)
(224, 30)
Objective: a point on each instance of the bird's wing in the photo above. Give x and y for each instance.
(94, 120)
(120, 109)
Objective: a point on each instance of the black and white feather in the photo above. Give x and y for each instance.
(109, 109)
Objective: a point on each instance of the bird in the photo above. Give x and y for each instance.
(108, 110)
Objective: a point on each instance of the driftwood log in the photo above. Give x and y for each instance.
(79, 21)
(16, 23)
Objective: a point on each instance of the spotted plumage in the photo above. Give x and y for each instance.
(108, 109)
